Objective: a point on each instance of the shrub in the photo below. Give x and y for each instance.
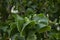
(29, 20)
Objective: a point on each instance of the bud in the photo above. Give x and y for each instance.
(14, 11)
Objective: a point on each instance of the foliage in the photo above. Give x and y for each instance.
(29, 20)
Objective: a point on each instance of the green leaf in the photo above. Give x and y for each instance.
(44, 29)
(19, 22)
(40, 18)
(24, 26)
(31, 36)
